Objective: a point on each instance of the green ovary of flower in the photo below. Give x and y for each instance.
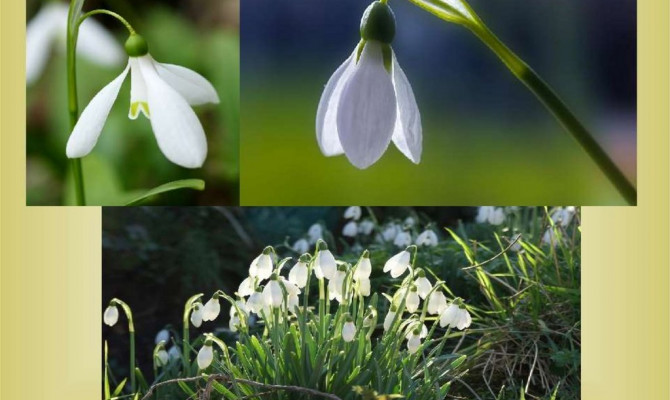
(378, 23)
(136, 46)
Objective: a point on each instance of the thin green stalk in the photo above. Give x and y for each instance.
(73, 103)
(540, 89)
(131, 334)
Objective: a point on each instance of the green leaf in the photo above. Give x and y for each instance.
(457, 362)
(119, 388)
(107, 389)
(184, 387)
(195, 184)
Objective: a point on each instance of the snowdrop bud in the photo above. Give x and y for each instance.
(350, 229)
(455, 317)
(111, 315)
(388, 320)
(414, 341)
(196, 314)
(205, 355)
(353, 212)
(325, 261)
(136, 46)
(314, 233)
(272, 293)
(364, 268)
(212, 309)
(256, 301)
(437, 303)
(298, 274)
(261, 266)
(422, 283)
(301, 246)
(366, 227)
(348, 330)
(364, 287)
(174, 353)
(246, 288)
(427, 238)
(162, 357)
(398, 264)
(378, 23)
(402, 239)
(412, 301)
(162, 336)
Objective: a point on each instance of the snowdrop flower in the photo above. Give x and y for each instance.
(234, 322)
(422, 284)
(398, 264)
(437, 303)
(390, 232)
(211, 309)
(563, 215)
(371, 318)
(298, 274)
(205, 355)
(388, 320)
(162, 336)
(353, 212)
(456, 317)
(324, 265)
(293, 302)
(417, 328)
(550, 237)
(427, 238)
(162, 356)
(196, 314)
(409, 222)
(301, 246)
(174, 353)
(363, 287)
(261, 266)
(335, 284)
(164, 93)
(111, 315)
(368, 102)
(48, 28)
(350, 229)
(349, 330)
(314, 233)
(272, 293)
(366, 227)
(256, 301)
(412, 300)
(414, 341)
(364, 268)
(492, 215)
(402, 239)
(246, 288)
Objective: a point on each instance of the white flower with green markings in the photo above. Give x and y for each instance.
(398, 264)
(205, 355)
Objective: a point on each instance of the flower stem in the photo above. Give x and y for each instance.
(131, 334)
(73, 103)
(540, 89)
(110, 13)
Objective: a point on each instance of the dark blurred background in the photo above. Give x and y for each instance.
(202, 35)
(487, 140)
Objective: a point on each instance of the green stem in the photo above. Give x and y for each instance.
(110, 13)
(540, 89)
(73, 104)
(131, 333)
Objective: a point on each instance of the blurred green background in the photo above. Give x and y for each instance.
(202, 35)
(487, 140)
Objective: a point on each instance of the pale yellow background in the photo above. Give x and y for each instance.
(50, 273)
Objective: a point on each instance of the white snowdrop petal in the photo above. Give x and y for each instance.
(301, 246)
(193, 87)
(86, 132)
(162, 336)
(326, 114)
(364, 269)
(138, 91)
(315, 233)
(111, 315)
(353, 212)
(348, 331)
(298, 274)
(246, 288)
(350, 229)
(412, 301)
(205, 357)
(327, 264)
(367, 109)
(407, 134)
(211, 310)
(40, 35)
(388, 320)
(364, 287)
(177, 129)
(196, 317)
(413, 343)
(423, 286)
(273, 294)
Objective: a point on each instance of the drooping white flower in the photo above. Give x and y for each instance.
(427, 238)
(423, 285)
(388, 320)
(48, 28)
(363, 287)
(563, 215)
(550, 237)
(314, 233)
(273, 294)
(298, 274)
(368, 102)
(196, 314)
(412, 301)
(409, 222)
(164, 93)
(335, 285)
(390, 232)
(234, 322)
(350, 229)
(437, 303)
(418, 328)
(301, 246)
(174, 353)
(293, 302)
(211, 309)
(492, 215)
(325, 264)
(291, 288)
(261, 266)
(162, 357)
(255, 302)
(364, 268)
(365, 227)
(205, 356)
(456, 317)
(402, 239)
(398, 264)
(162, 336)
(413, 342)
(353, 212)
(111, 315)
(348, 331)
(246, 287)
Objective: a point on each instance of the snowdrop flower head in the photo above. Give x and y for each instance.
(390, 316)
(211, 309)
(492, 215)
(324, 265)
(563, 215)
(256, 301)
(398, 264)
(368, 101)
(365, 227)
(402, 239)
(350, 229)
(205, 355)
(273, 294)
(409, 222)
(335, 284)
(427, 238)
(48, 28)
(414, 341)
(390, 232)
(314, 233)
(348, 330)
(174, 353)
(164, 93)
(162, 336)
(437, 303)
(353, 212)
(298, 274)
(364, 268)
(301, 246)
(234, 322)
(246, 287)
(161, 356)
(422, 284)
(196, 314)
(363, 287)
(412, 300)
(261, 266)
(111, 315)
(456, 316)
